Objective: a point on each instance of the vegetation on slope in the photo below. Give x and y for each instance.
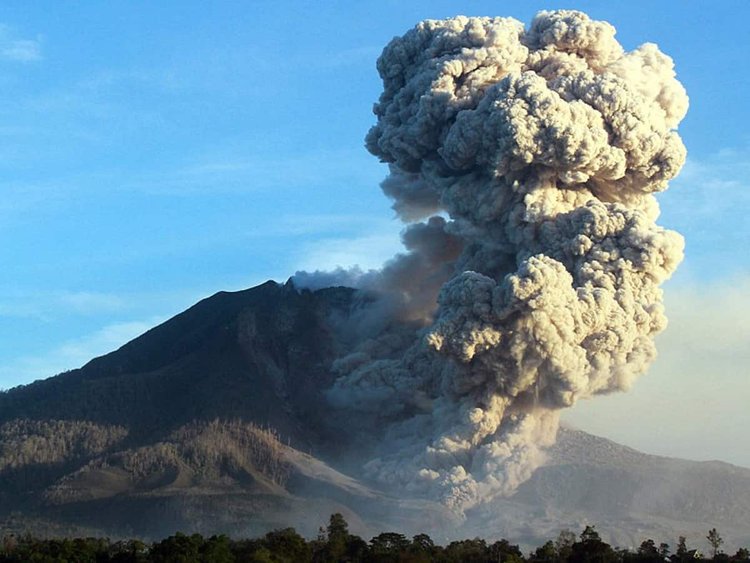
(73, 458)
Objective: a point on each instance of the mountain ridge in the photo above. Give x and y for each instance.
(161, 428)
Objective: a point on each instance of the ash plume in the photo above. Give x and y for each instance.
(531, 156)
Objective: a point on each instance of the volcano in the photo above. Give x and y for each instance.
(216, 421)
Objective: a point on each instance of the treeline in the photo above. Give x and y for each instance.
(34, 453)
(335, 544)
(37, 455)
(32, 442)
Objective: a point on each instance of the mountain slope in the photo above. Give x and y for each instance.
(627, 494)
(173, 432)
(262, 355)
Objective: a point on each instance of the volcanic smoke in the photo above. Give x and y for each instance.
(524, 162)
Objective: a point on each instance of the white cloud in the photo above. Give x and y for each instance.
(13, 48)
(708, 203)
(710, 187)
(366, 251)
(252, 170)
(104, 340)
(363, 55)
(91, 302)
(44, 304)
(73, 353)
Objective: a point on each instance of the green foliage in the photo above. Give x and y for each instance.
(79, 550)
(288, 546)
(34, 453)
(590, 535)
(466, 551)
(179, 548)
(503, 550)
(422, 548)
(388, 546)
(682, 554)
(39, 455)
(715, 540)
(649, 553)
(337, 545)
(545, 553)
(338, 533)
(591, 549)
(564, 544)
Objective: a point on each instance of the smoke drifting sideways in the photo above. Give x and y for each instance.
(524, 162)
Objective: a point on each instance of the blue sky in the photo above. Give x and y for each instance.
(152, 154)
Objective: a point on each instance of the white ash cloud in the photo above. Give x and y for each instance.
(543, 147)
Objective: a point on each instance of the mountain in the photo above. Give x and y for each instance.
(261, 354)
(215, 422)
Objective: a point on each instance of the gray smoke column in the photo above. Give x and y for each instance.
(535, 154)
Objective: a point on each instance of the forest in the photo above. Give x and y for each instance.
(335, 544)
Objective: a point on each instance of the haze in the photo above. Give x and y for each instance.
(153, 158)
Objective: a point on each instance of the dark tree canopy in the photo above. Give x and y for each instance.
(336, 544)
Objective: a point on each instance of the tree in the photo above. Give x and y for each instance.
(178, 547)
(330, 545)
(590, 534)
(335, 544)
(468, 551)
(505, 551)
(388, 546)
(682, 554)
(715, 540)
(564, 543)
(127, 551)
(338, 533)
(591, 549)
(287, 545)
(648, 552)
(743, 554)
(217, 550)
(545, 553)
(422, 548)
(261, 555)
(648, 547)
(423, 543)
(337, 527)
(356, 548)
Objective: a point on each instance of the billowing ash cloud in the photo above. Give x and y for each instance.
(543, 147)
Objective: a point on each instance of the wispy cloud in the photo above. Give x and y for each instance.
(49, 305)
(248, 170)
(707, 188)
(708, 203)
(327, 224)
(44, 304)
(366, 251)
(73, 353)
(13, 48)
(693, 401)
(711, 320)
(104, 340)
(347, 57)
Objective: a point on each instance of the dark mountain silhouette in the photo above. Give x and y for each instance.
(215, 422)
(261, 355)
